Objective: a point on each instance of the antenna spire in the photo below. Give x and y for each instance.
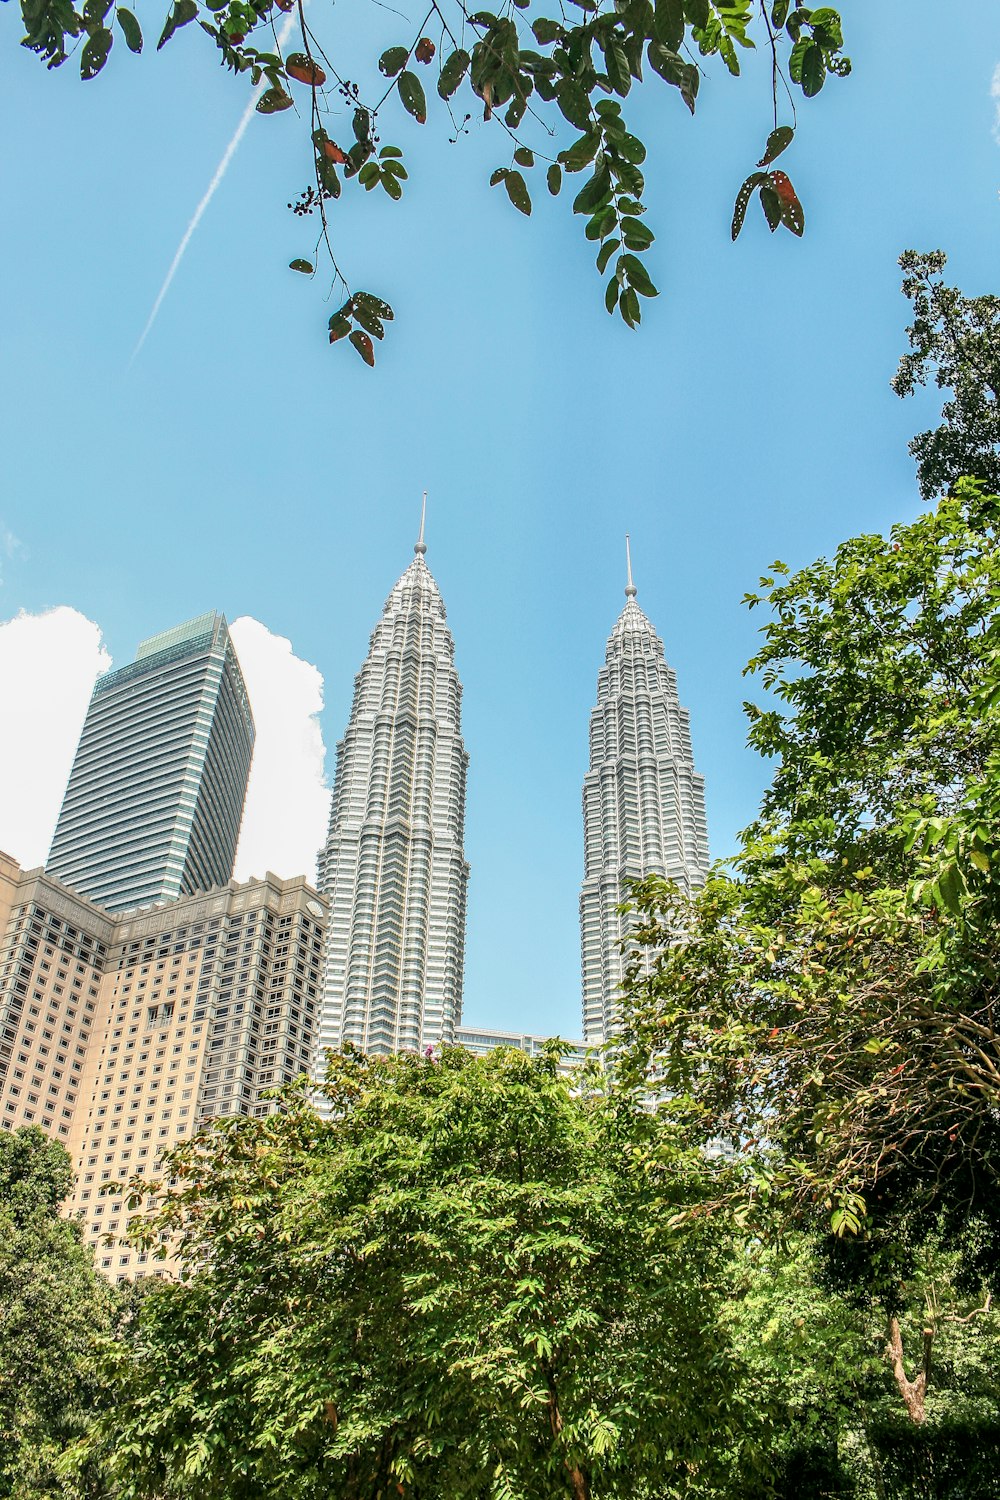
(630, 588)
(421, 546)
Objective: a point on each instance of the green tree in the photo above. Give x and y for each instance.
(469, 1281)
(553, 85)
(955, 339)
(55, 1315)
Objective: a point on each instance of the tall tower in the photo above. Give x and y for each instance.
(643, 802)
(393, 867)
(155, 796)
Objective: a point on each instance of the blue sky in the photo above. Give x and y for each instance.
(240, 463)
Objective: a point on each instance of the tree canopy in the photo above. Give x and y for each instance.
(56, 1315)
(466, 1281)
(955, 339)
(553, 86)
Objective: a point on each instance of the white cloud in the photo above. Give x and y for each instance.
(288, 803)
(48, 664)
(995, 96)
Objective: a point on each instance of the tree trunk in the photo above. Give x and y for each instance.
(914, 1391)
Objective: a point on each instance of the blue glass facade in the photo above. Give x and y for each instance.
(155, 797)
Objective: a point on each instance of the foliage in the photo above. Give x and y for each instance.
(467, 1281)
(553, 86)
(957, 340)
(832, 1004)
(55, 1313)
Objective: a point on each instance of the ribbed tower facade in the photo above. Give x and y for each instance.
(393, 867)
(155, 797)
(643, 802)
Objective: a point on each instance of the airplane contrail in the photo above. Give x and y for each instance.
(210, 192)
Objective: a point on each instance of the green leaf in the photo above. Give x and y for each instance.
(777, 142)
(524, 157)
(498, 176)
(411, 93)
(697, 12)
(369, 319)
(364, 346)
(674, 70)
(611, 294)
(392, 186)
(771, 204)
(393, 61)
(553, 178)
(605, 253)
(517, 192)
(638, 276)
(95, 52)
(574, 103)
(668, 23)
(304, 266)
(779, 13)
(743, 198)
(813, 70)
(272, 101)
(131, 30)
(183, 12)
(593, 192)
(546, 31)
(453, 72)
(390, 153)
(582, 152)
(328, 176)
(636, 234)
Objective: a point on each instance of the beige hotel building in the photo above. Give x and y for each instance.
(122, 1033)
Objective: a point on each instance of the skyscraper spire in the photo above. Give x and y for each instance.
(630, 588)
(421, 547)
(393, 867)
(643, 802)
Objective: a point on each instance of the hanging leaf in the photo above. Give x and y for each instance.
(771, 204)
(131, 29)
(605, 253)
(453, 72)
(393, 61)
(364, 346)
(411, 92)
(304, 266)
(524, 157)
(339, 327)
(743, 198)
(777, 142)
(813, 70)
(553, 178)
(304, 70)
(424, 50)
(668, 23)
(638, 276)
(517, 192)
(792, 213)
(183, 12)
(95, 52)
(272, 100)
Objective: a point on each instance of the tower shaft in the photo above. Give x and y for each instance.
(643, 803)
(393, 867)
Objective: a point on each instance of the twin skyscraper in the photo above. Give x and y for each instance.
(155, 798)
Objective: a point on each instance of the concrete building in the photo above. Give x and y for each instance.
(120, 1034)
(482, 1039)
(393, 867)
(643, 802)
(155, 797)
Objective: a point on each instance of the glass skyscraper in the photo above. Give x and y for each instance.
(155, 797)
(393, 867)
(643, 802)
